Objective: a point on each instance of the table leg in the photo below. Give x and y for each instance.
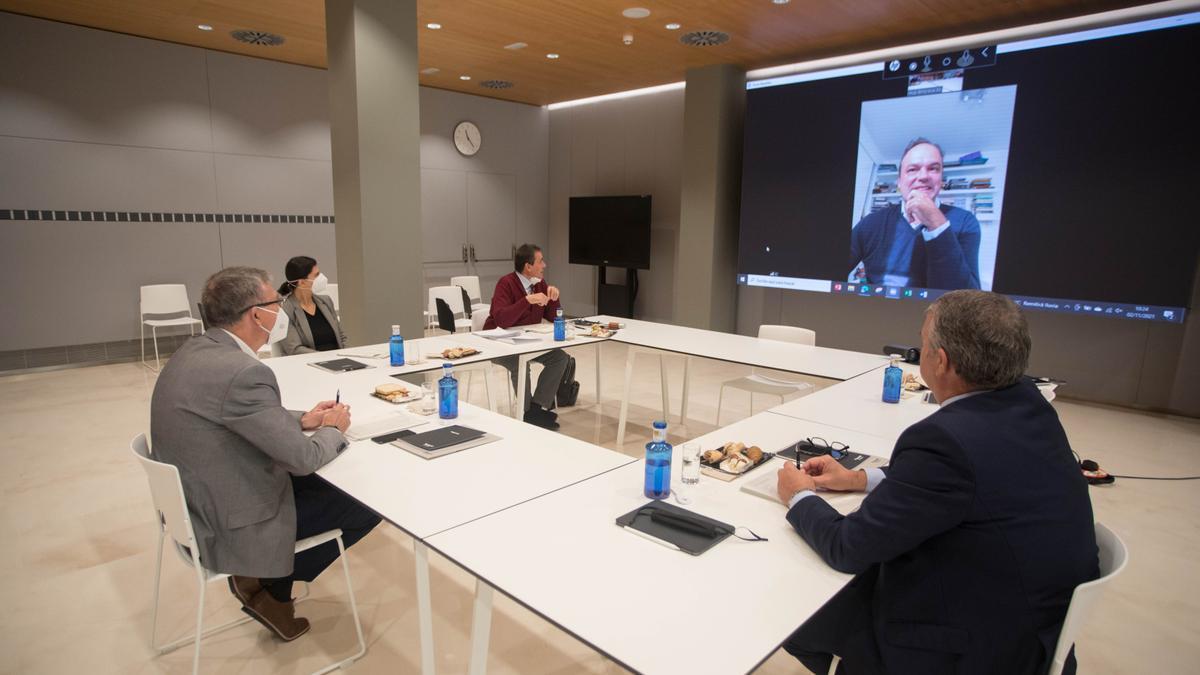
(629, 357)
(598, 372)
(666, 396)
(424, 607)
(519, 404)
(687, 367)
(481, 628)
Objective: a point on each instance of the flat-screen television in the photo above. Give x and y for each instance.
(1054, 170)
(610, 231)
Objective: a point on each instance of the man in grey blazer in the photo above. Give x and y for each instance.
(244, 460)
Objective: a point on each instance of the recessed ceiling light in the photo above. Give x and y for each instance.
(430, 71)
(781, 2)
(672, 26)
(433, 26)
(464, 77)
(516, 45)
(552, 55)
(636, 13)
(204, 26)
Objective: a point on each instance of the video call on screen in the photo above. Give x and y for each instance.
(1067, 172)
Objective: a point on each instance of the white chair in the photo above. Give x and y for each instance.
(452, 296)
(164, 299)
(1113, 558)
(480, 317)
(332, 291)
(757, 382)
(171, 514)
(470, 284)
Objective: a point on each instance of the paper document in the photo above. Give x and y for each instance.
(765, 484)
(361, 431)
(498, 333)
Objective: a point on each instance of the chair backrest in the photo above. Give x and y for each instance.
(470, 284)
(165, 299)
(802, 336)
(479, 318)
(466, 300)
(1113, 558)
(276, 350)
(332, 291)
(451, 295)
(445, 317)
(166, 490)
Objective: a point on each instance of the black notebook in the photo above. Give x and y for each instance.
(688, 531)
(339, 365)
(443, 438)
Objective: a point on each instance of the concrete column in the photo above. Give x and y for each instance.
(706, 258)
(374, 118)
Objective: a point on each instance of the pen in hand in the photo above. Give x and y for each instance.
(338, 397)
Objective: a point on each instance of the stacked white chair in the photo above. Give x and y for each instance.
(161, 299)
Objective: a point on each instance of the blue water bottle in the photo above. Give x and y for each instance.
(396, 346)
(892, 377)
(658, 464)
(560, 326)
(447, 393)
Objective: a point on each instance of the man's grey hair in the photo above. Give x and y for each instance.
(984, 334)
(921, 140)
(230, 292)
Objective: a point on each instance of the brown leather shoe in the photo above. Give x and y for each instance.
(244, 588)
(279, 617)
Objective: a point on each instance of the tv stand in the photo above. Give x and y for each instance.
(616, 299)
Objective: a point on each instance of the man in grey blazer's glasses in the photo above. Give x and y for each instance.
(244, 460)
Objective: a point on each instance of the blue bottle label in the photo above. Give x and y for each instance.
(396, 349)
(448, 398)
(892, 378)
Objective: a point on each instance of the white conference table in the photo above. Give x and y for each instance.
(836, 364)
(423, 497)
(648, 607)
(856, 404)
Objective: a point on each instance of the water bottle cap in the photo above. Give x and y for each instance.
(447, 366)
(395, 329)
(659, 424)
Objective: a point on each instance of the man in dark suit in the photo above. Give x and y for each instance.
(967, 548)
(523, 298)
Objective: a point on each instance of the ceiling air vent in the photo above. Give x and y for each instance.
(496, 84)
(704, 38)
(257, 37)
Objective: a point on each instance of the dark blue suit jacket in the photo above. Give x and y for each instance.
(950, 261)
(971, 547)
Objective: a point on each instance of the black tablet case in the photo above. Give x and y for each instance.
(642, 520)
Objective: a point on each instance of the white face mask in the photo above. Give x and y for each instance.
(279, 330)
(320, 284)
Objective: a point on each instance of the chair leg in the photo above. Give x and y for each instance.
(720, 400)
(157, 362)
(362, 643)
(157, 586)
(752, 404)
(598, 372)
(833, 664)
(666, 395)
(487, 389)
(199, 621)
(424, 607)
(142, 342)
(629, 358)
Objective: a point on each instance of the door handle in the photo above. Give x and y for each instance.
(472, 251)
(464, 253)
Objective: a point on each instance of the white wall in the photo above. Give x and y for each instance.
(619, 147)
(98, 121)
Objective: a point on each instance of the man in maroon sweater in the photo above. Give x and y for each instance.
(521, 299)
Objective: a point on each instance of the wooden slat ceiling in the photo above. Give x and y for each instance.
(587, 34)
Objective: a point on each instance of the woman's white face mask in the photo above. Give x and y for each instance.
(320, 284)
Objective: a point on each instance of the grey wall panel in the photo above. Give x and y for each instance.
(443, 215)
(625, 146)
(79, 84)
(270, 245)
(491, 214)
(92, 294)
(69, 175)
(268, 108)
(253, 184)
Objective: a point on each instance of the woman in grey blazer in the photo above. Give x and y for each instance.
(313, 323)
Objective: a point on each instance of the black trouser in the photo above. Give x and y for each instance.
(320, 507)
(842, 627)
(555, 362)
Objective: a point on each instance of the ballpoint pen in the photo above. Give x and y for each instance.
(338, 398)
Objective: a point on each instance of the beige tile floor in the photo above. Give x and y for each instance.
(77, 560)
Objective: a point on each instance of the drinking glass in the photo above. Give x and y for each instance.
(428, 399)
(412, 353)
(689, 475)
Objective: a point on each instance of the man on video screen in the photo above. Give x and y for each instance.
(918, 242)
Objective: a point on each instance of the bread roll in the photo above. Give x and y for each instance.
(754, 454)
(390, 390)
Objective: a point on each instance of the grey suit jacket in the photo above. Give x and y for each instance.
(216, 414)
(299, 339)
